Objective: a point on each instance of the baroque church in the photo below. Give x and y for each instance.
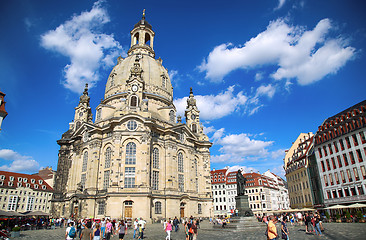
(137, 159)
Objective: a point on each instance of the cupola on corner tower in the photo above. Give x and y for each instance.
(135, 159)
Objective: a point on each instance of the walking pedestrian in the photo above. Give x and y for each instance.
(168, 229)
(122, 230)
(284, 230)
(97, 232)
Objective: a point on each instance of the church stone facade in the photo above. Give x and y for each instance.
(136, 159)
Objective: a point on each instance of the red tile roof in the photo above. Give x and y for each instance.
(21, 180)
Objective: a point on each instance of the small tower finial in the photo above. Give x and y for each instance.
(143, 13)
(190, 90)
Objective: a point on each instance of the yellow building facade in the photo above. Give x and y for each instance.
(136, 159)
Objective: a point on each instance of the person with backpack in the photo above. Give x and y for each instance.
(122, 230)
(70, 232)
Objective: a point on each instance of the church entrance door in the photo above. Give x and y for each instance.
(182, 212)
(128, 211)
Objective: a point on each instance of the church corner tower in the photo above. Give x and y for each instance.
(135, 159)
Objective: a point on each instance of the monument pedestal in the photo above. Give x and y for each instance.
(242, 204)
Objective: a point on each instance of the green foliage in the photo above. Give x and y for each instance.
(327, 215)
(16, 229)
(348, 215)
(338, 216)
(359, 215)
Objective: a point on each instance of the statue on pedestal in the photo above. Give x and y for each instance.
(240, 183)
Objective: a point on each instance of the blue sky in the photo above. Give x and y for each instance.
(262, 71)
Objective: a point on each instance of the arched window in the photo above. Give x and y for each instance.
(194, 128)
(180, 162)
(108, 155)
(163, 81)
(147, 39)
(85, 162)
(171, 116)
(199, 208)
(136, 39)
(78, 124)
(158, 208)
(156, 158)
(131, 153)
(133, 101)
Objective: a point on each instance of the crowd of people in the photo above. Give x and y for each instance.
(191, 227)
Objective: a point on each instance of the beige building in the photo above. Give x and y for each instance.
(135, 159)
(297, 175)
(24, 193)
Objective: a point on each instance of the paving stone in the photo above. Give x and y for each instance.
(333, 231)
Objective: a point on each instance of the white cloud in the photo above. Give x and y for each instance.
(174, 77)
(279, 171)
(243, 168)
(238, 147)
(19, 162)
(258, 76)
(280, 4)
(80, 40)
(268, 91)
(307, 56)
(215, 106)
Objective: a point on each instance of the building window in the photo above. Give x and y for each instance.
(343, 177)
(158, 208)
(341, 143)
(325, 151)
(132, 125)
(171, 116)
(360, 190)
(345, 160)
(336, 177)
(163, 81)
(85, 162)
(12, 204)
(339, 161)
(340, 193)
(331, 178)
(323, 167)
(194, 128)
(133, 101)
(101, 208)
(199, 208)
(196, 184)
(363, 172)
(106, 180)
(99, 114)
(180, 162)
(328, 165)
(362, 136)
(155, 180)
(335, 146)
(359, 155)
(349, 175)
(330, 149)
(181, 182)
(352, 157)
(320, 152)
(30, 203)
(131, 153)
(325, 180)
(83, 180)
(156, 158)
(108, 155)
(348, 142)
(129, 177)
(333, 163)
(355, 141)
(355, 172)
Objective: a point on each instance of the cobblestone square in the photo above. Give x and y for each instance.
(333, 231)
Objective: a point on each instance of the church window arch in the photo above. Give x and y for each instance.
(131, 153)
(132, 125)
(136, 39)
(155, 158)
(163, 81)
(180, 162)
(85, 161)
(99, 114)
(157, 207)
(194, 128)
(134, 101)
(147, 39)
(108, 156)
(171, 116)
(199, 208)
(78, 124)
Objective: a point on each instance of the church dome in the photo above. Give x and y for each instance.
(153, 74)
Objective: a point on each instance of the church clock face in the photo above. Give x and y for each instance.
(135, 88)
